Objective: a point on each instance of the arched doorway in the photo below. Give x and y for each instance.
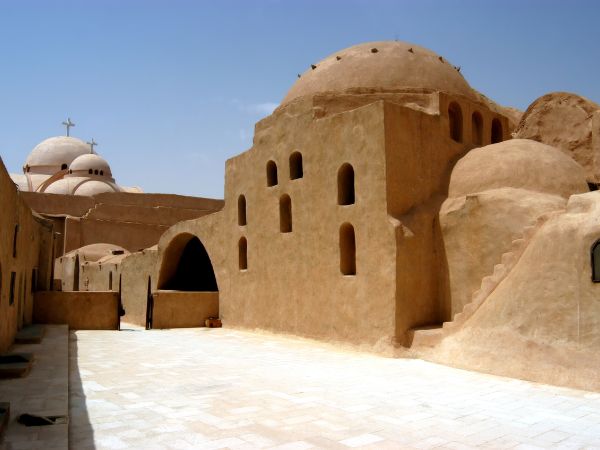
(186, 266)
(187, 293)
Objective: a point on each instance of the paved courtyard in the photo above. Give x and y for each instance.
(217, 388)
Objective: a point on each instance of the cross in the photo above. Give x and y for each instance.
(92, 144)
(68, 124)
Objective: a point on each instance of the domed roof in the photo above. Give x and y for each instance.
(57, 151)
(95, 252)
(91, 161)
(517, 163)
(382, 66)
(94, 187)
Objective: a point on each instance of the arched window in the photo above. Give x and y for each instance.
(347, 250)
(102, 172)
(63, 167)
(243, 253)
(241, 210)
(90, 171)
(285, 214)
(477, 128)
(271, 173)
(296, 170)
(496, 131)
(345, 185)
(455, 121)
(96, 172)
(595, 251)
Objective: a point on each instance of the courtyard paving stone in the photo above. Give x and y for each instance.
(221, 388)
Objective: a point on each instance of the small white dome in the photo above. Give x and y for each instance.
(55, 153)
(94, 187)
(91, 164)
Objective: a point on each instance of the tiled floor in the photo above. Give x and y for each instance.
(217, 388)
(44, 391)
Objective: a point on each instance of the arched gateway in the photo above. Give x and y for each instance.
(187, 292)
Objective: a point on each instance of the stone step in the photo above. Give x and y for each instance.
(426, 336)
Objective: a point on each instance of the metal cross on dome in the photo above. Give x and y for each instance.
(68, 124)
(92, 144)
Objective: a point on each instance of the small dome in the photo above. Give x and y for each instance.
(381, 66)
(95, 252)
(517, 163)
(94, 187)
(63, 186)
(56, 152)
(90, 161)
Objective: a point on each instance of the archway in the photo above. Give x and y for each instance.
(186, 266)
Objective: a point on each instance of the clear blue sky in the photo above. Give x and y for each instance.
(171, 89)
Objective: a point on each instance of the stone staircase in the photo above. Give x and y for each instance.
(429, 336)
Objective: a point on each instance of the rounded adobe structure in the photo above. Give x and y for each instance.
(517, 163)
(56, 152)
(94, 187)
(91, 161)
(381, 66)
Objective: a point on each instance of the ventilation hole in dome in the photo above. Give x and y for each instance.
(338, 57)
(63, 167)
(374, 50)
(441, 59)
(313, 66)
(411, 50)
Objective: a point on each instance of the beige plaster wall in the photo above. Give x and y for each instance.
(135, 270)
(542, 322)
(32, 233)
(177, 309)
(479, 228)
(293, 282)
(80, 310)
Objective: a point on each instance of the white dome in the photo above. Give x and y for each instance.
(55, 152)
(90, 162)
(63, 186)
(94, 187)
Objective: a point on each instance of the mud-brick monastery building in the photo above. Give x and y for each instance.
(385, 204)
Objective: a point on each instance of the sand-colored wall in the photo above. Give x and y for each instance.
(293, 282)
(80, 310)
(135, 270)
(33, 245)
(134, 221)
(542, 322)
(176, 309)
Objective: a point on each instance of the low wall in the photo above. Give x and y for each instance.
(179, 309)
(80, 310)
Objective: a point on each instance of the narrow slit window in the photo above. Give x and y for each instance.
(242, 210)
(243, 253)
(285, 214)
(477, 128)
(13, 279)
(346, 185)
(296, 169)
(15, 240)
(110, 281)
(271, 174)
(347, 250)
(455, 121)
(496, 131)
(595, 252)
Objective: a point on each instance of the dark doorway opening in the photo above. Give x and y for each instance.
(194, 270)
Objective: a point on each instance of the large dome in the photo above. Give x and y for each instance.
(517, 163)
(56, 152)
(381, 66)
